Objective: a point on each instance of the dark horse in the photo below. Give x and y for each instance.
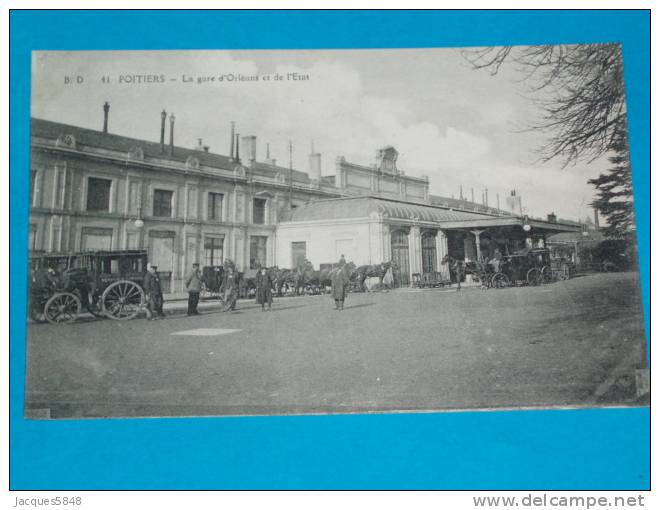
(283, 277)
(307, 278)
(456, 267)
(377, 270)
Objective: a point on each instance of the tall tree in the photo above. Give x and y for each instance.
(614, 191)
(580, 92)
(578, 88)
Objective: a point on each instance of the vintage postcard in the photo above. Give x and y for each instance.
(221, 233)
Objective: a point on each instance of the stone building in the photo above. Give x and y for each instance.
(94, 190)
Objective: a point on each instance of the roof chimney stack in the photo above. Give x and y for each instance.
(231, 140)
(171, 134)
(236, 148)
(106, 109)
(163, 116)
(270, 160)
(315, 167)
(249, 144)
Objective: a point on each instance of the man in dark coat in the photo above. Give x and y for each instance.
(154, 294)
(340, 282)
(194, 286)
(264, 283)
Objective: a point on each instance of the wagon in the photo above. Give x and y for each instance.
(211, 282)
(104, 283)
(212, 277)
(532, 267)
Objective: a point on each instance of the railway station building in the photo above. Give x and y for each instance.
(96, 190)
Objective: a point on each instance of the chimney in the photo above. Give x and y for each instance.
(201, 146)
(486, 203)
(172, 134)
(498, 201)
(249, 146)
(231, 141)
(472, 193)
(163, 116)
(461, 192)
(236, 148)
(315, 166)
(552, 218)
(270, 160)
(596, 220)
(106, 109)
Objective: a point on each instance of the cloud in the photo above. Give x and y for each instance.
(455, 135)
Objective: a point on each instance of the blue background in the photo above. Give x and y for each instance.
(580, 449)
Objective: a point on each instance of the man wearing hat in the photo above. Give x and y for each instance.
(194, 286)
(154, 293)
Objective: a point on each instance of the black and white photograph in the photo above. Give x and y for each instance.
(287, 232)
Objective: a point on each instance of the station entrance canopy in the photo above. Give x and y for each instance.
(408, 213)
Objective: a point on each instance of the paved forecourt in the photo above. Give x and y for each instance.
(577, 342)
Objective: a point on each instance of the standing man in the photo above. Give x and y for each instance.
(339, 280)
(194, 286)
(154, 294)
(264, 288)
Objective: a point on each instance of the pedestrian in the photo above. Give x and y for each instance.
(339, 280)
(342, 260)
(194, 286)
(264, 282)
(154, 293)
(229, 287)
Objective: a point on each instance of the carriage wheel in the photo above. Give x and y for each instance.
(546, 273)
(534, 276)
(499, 281)
(62, 308)
(122, 300)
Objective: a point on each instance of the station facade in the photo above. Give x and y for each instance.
(94, 190)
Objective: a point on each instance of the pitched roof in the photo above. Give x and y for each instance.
(363, 207)
(91, 138)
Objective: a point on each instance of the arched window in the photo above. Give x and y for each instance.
(401, 256)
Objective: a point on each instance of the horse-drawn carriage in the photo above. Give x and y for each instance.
(212, 278)
(105, 283)
(531, 267)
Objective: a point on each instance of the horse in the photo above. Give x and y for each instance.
(282, 277)
(374, 270)
(306, 277)
(456, 266)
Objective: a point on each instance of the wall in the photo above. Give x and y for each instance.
(359, 240)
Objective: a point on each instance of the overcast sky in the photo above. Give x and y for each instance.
(454, 124)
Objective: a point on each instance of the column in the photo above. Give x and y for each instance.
(477, 242)
(386, 240)
(415, 250)
(441, 249)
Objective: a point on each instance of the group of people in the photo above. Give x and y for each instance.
(229, 289)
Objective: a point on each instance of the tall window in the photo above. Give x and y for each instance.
(215, 206)
(213, 251)
(428, 253)
(259, 211)
(258, 251)
(98, 194)
(163, 202)
(298, 253)
(33, 238)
